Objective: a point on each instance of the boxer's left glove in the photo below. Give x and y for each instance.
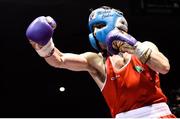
(120, 41)
(40, 33)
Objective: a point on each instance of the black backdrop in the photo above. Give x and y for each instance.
(29, 87)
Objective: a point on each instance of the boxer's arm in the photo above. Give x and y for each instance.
(157, 61)
(147, 52)
(75, 62)
(39, 33)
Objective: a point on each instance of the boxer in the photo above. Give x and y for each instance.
(125, 69)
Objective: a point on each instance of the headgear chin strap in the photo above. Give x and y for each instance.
(107, 16)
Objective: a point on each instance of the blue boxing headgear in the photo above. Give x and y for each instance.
(107, 16)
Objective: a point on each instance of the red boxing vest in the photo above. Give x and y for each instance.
(134, 86)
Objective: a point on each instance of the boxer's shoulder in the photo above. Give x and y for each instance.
(93, 58)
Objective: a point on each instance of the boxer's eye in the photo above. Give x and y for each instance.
(98, 26)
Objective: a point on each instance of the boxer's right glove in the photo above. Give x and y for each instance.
(40, 33)
(119, 41)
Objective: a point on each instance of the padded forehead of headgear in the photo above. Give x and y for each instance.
(100, 15)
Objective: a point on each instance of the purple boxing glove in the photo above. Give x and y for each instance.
(40, 33)
(41, 30)
(123, 39)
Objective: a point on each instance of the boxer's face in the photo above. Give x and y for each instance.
(122, 24)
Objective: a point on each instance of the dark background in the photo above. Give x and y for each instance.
(29, 87)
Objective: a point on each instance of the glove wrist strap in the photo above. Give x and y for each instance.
(47, 50)
(143, 52)
(146, 56)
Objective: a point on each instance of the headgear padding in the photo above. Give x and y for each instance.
(107, 16)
